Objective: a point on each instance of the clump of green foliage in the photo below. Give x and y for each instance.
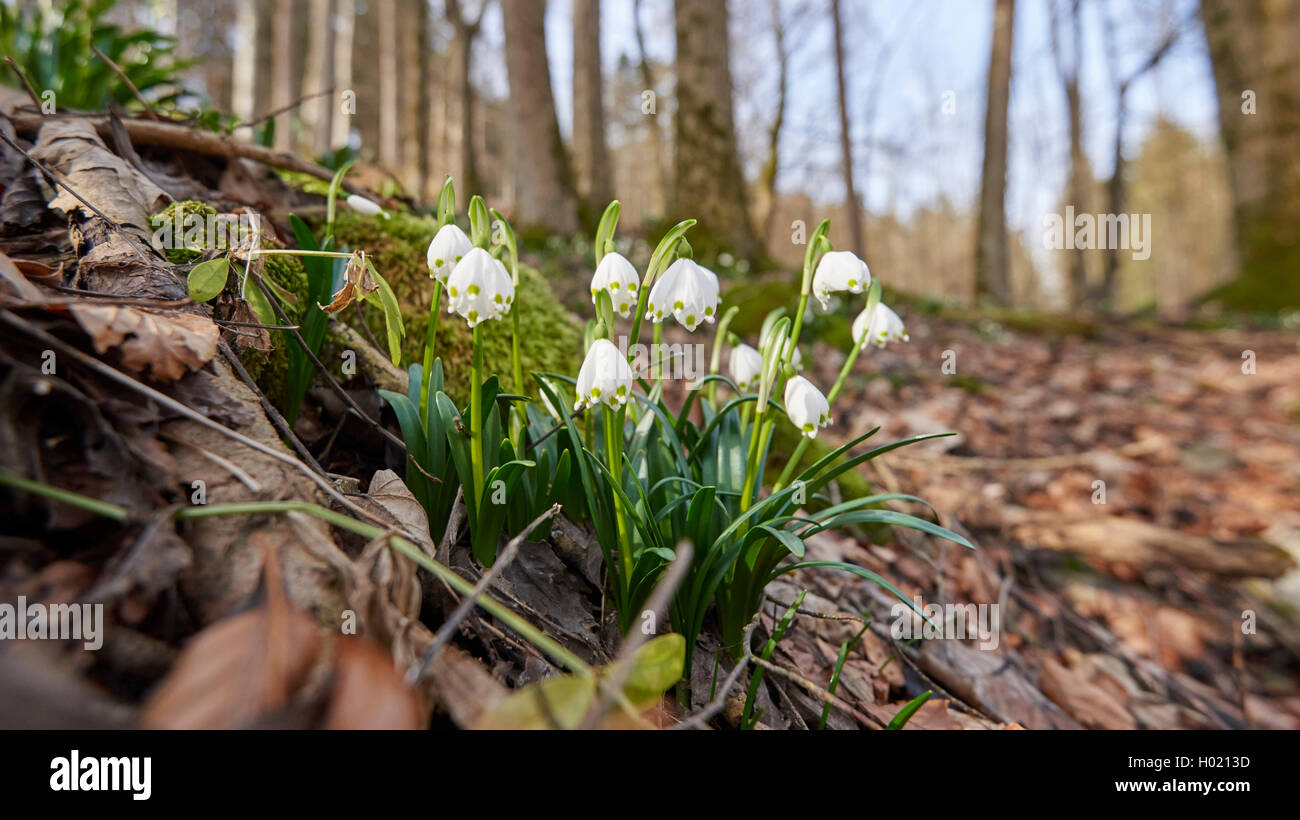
(53, 49)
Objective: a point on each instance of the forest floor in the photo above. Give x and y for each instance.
(1131, 492)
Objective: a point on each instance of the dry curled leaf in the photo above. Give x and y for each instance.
(357, 284)
(164, 344)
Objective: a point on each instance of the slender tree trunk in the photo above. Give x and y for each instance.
(389, 152)
(544, 194)
(1077, 187)
(852, 208)
(243, 91)
(341, 118)
(766, 199)
(992, 278)
(1257, 71)
(317, 110)
(282, 72)
(425, 132)
(460, 103)
(707, 179)
(410, 125)
(660, 196)
(591, 159)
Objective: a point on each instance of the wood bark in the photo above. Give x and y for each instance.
(591, 157)
(708, 183)
(992, 276)
(544, 196)
(1256, 65)
(852, 208)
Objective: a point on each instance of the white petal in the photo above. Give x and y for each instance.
(839, 271)
(746, 365)
(605, 376)
(364, 206)
(449, 246)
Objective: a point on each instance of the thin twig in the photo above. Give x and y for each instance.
(453, 622)
(280, 422)
(819, 693)
(284, 109)
(121, 75)
(31, 92)
(612, 685)
(329, 377)
(700, 720)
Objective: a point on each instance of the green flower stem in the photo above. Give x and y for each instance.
(476, 416)
(873, 299)
(614, 460)
(503, 613)
(295, 252)
(771, 367)
(719, 341)
(84, 502)
(430, 331)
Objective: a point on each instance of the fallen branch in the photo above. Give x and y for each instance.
(184, 138)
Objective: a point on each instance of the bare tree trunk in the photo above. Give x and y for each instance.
(992, 276)
(460, 103)
(282, 71)
(1116, 188)
(591, 159)
(317, 110)
(766, 198)
(660, 197)
(852, 208)
(543, 187)
(1077, 186)
(425, 133)
(341, 120)
(389, 154)
(410, 125)
(243, 91)
(1257, 71)
(707, 180)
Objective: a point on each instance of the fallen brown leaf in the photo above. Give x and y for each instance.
(164, 344)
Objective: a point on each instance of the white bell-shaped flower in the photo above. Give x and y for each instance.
(882, 326)
(838, 271)
(687, 291)
(449, 246)
(480, 288)
(746, 367)
(618, 276)
(364, 206)
(806, 406)
(605, 377)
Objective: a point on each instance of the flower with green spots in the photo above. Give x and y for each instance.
(616, 275)
(839, 271)
(449, 246)
(686, 290)
(605, 377)
(479, 288)
(882, 326)
(806, 406)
